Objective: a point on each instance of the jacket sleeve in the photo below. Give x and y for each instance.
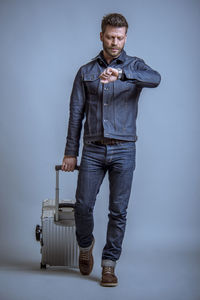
(77, 103)
(141, 74)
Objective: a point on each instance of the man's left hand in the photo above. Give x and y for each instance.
(109, 75)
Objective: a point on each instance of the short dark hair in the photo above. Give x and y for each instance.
(115, 20)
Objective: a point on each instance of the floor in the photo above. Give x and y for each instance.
(143, 275)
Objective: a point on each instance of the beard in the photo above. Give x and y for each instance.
(111, 52)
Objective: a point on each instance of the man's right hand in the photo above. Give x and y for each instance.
(69, 163)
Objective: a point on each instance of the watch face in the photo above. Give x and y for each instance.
(119, 73)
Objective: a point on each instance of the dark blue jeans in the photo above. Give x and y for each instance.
(119, 161)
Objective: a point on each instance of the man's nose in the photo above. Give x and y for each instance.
(114, 41)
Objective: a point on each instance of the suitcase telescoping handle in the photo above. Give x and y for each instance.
(59, 167)
(57, 205)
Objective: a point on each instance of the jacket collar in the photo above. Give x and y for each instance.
(119, 59)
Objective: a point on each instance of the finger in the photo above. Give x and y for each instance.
(104, 81)
(106, 72)
(103, 75)
(109, 71)
(67, 168)
(113, 72)
(63, 167)
(73, 168)
(70, 167)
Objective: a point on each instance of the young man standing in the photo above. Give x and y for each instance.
(105, 92)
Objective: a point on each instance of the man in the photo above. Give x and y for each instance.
(106, 93)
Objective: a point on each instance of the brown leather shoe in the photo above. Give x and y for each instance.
(108, 277)
(86, 260)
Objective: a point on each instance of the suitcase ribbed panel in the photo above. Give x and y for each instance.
(60, 247)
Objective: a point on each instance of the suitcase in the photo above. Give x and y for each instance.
(57, 233)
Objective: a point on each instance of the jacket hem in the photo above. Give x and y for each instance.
(131, 138)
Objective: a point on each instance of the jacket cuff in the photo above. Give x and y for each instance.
(71, 153)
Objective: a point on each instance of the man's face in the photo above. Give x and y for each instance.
(113, 39)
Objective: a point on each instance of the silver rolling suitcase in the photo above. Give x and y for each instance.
(57, 233)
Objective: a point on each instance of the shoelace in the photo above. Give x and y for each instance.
(84, 255)
(108, 269)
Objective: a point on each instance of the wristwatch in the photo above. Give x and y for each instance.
(119, 73)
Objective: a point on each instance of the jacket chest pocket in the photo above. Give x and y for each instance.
(91, 83)
(124, 86)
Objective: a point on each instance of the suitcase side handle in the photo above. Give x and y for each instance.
(63, 205)
(57, 205)
(58, 168)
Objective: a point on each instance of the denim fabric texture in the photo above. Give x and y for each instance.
(110, 110)
(119, 161)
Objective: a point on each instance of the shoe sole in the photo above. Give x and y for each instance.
(108, 284)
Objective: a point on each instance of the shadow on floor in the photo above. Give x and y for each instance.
(34, 267)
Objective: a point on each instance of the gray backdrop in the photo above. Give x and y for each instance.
(42, 44)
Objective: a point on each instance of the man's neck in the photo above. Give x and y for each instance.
(109, 58)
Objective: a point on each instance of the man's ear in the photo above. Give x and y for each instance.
(125, 38)
(101, 36)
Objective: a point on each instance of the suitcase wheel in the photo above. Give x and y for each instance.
(38, 231)
(43, 266)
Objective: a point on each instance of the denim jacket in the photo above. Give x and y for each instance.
(109, 110)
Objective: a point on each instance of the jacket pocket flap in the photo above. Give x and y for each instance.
(90, 77)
